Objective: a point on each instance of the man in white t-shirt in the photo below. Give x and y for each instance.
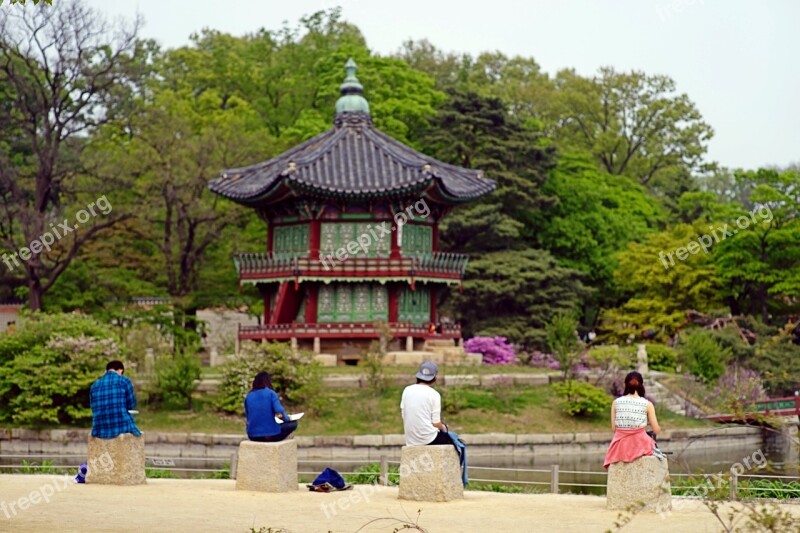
(421, 407)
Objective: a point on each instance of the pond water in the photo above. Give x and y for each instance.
(576, 471)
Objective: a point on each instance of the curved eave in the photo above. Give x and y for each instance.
(343, 163)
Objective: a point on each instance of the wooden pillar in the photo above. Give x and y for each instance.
(395, 253)
(266, 291)
(314, 236)
(312, 292)
(394, 303)
(435, 237)
(317, 346)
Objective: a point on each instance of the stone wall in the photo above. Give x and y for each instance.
(372, 447)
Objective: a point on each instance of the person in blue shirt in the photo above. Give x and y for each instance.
(261, 407)
(111, 397)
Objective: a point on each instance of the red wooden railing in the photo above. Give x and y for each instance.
(252, 266)
(364, 330)
(784, 406)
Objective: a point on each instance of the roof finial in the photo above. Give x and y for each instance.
(352, 99)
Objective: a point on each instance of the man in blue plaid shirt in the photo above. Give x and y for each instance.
(111, 397)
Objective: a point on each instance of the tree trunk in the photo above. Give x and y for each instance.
(35, 294)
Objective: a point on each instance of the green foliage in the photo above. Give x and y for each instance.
(513, 294)
(703, 356)
(611, 355)
(563, 341)
(596, 214)
(634, 124)
(777, 359)
(159, 473)
(661, 357)
(373, 361)
(32, 467)
(661, 289)
(48, 366)
(371, 473)
(176, 378)
(582, 399)
(296, 376)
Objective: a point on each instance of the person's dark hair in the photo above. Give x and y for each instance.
(262, 381)
(634, 383)
(115, 365)
(429, 382)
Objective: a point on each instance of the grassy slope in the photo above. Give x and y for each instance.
(356, 412)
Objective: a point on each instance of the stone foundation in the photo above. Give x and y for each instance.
(117, 461)
(267, 466)
(430, 474)
(643, 485)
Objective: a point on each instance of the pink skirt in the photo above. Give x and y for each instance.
(628, 445)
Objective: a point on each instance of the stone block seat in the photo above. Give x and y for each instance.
(117, 461)
(430, 474)
(643, 484)
(267, 466)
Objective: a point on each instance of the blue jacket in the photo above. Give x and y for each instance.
(461, 448)
(260, 408)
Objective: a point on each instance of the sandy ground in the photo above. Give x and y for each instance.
(214, 505)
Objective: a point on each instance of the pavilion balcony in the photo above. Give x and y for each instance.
(254, 267)
(365, 330)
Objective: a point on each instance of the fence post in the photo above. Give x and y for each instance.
(734, 486)
(554, 479)
(234, 464)
(384, 479)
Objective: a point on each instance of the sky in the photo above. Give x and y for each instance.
(739, 61)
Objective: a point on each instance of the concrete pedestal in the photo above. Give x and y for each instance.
(117, 461)
(430, 474)
(643, 484)
(267, 466)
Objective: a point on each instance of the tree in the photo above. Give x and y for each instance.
(563, 341)
(514, 294)
(760, 262)
(476, 132)
(634, 124)
(179, 142)
(660, 289)
(61, 71)
(595, 214)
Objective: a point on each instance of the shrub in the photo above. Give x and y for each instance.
(778, 361)
(735, 389)
(543, 360)
(371, 473)
(661, 357)
(563, 341)
(495, 350)
(48, 365)
(296, 376)
(176, 378)
(704, 357)
(582, 399)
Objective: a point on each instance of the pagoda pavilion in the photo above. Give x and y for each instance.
(352, 235)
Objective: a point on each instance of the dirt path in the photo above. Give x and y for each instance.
(172, 505)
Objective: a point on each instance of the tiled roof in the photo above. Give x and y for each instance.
(353, 159)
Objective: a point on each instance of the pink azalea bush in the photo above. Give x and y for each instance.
(495, 350)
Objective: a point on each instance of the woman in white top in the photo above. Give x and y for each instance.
(630, 414)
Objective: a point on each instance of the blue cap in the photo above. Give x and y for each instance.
(427, 371)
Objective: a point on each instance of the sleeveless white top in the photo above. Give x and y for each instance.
(631, 412)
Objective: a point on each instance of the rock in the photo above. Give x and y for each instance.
(430, 474)
(643, 484)
(117, 461)
(267, 466)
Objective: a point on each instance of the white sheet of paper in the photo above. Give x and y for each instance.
(292, 418)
